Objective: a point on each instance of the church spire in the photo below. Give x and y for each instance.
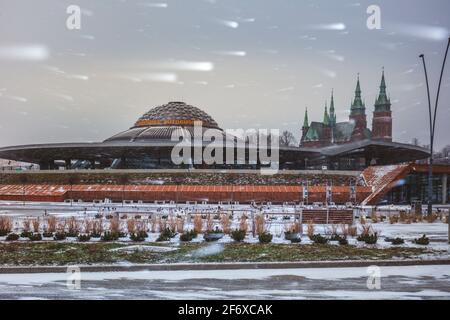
(306, 121)
(382, 103)
(357, 103)
(332, 112)
(326, 117)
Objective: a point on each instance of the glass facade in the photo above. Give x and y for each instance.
(414, 187)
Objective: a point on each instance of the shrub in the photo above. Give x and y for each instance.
(186, 237)
(343, 241)
(72, 234)
(265, 237)
(35, 237)
(238, 235)
(369, 238)
(47, 234)
(12, 237)
(397, 241)
(318, 239)
(335, 237)
(422, 240)
(5, 226)
(193, 233)
(59, 236)
(166, 235)
(292, 236)
(109, 236)
(139, 236)
(26, 234)
(84, 237)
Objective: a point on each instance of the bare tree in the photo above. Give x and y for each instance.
(446, 151)
(287, 139)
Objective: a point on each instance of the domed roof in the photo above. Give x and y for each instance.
(176, 113)
(162, 122)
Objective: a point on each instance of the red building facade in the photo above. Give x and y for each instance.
(330, 132)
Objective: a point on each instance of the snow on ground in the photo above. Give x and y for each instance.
(279, 218)
(408, 282)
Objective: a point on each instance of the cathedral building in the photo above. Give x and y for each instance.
(330, 132)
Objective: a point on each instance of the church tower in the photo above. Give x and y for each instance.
(305, 127)
(358, 115)
(326, 131)
(382, 116)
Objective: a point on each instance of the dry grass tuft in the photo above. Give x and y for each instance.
(6, 225)
(153, 222)
(114, 225)
(345, 230)
(243, 225)
(198, 223)
(374, 216)
(225, 221)
(259, 224)
(209, 223)
(393, 218)
(36, 225)
(180, 224)
(97, 226)
(26, 225)
(172, 222)
(310, 228)
(131, 226)
(87, 226)
(362, 220)
(162, 224)
(72, 225)
(352, 231)
(51, 224)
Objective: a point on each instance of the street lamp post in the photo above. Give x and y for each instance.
(432, 120)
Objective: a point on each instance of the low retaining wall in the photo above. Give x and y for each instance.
(325, 216)
(212, 194)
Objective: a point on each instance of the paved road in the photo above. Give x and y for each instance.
(410, 282)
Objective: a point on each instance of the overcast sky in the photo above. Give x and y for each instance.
(248, 63)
